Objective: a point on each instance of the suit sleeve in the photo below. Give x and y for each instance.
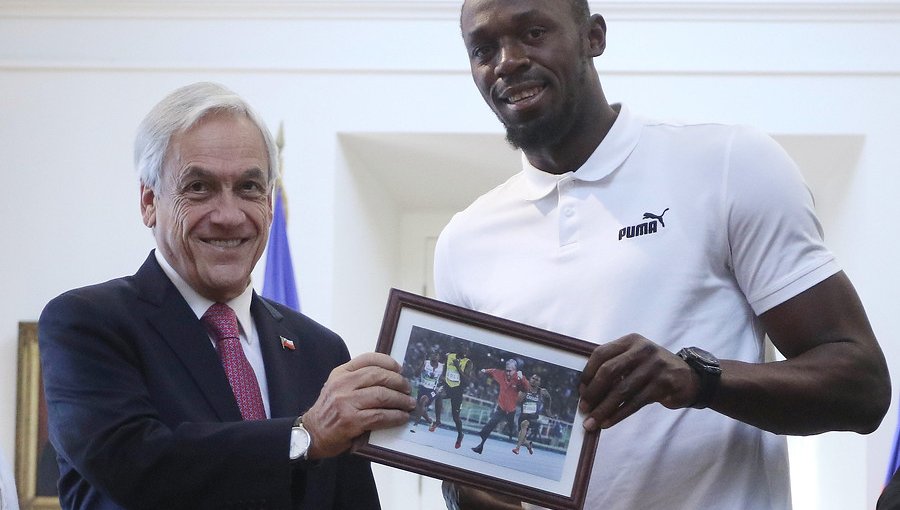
(105, 426)
(355, 485)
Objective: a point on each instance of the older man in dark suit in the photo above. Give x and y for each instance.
(180, 387)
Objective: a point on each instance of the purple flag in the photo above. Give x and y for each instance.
(279, 280)
(894, 463)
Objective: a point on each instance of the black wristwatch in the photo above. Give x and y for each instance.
(707, 367)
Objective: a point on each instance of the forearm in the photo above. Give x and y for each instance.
(835, 376)
(834, 386)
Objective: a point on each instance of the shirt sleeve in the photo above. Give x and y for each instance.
(444, 280)
(775, 238)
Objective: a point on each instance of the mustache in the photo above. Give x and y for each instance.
(504, 84)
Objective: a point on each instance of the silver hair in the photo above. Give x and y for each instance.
(180, 111)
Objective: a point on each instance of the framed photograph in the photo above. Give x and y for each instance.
(36, 469)
(497, 403)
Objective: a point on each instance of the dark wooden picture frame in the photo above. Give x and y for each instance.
(557, 477)
(36, 469)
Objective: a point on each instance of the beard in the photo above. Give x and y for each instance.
(548, 130)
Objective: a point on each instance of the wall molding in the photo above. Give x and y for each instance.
(634, 10)
(93, 67)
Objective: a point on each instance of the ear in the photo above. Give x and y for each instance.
(148, 206)
(597, 35)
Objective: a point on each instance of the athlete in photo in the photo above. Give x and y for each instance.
(457, 374)
(430, 372)
(532, 407)
(511, 382)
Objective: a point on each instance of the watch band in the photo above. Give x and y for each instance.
(707, 367)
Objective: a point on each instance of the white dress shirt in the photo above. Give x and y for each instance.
(241, 307)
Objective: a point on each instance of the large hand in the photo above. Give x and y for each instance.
(625, 375)
(366, 393)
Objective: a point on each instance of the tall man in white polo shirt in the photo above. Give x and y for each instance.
(676, 248)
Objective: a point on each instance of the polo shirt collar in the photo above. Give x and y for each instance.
(607, 157)
(199, 304)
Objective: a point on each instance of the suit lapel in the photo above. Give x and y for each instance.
(183, 332)
(286, 369)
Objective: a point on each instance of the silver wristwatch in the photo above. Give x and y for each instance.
(301, 441)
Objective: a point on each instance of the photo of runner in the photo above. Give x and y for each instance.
(429, 373)
(501, 400)
(532, 402)
(457, 375)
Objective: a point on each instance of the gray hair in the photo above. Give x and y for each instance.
(180, 111)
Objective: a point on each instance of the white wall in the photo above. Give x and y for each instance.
(76, 78)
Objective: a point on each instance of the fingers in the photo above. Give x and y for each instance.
(633, 392)
(372, 359)
(623, 376)
(600, 355)
(605, 372)
(356, 373)
(366, 393)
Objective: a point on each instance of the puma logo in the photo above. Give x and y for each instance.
(648, 227)
(651, 216)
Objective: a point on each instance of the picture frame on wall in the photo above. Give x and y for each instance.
(36, 469)
(550, 467)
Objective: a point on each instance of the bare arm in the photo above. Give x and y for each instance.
(835, 376)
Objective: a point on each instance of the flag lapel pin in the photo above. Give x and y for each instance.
(287, 344)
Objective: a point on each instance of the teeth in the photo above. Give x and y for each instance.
(224, 243)
(525, 94)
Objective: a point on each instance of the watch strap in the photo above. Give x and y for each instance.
(708, 369)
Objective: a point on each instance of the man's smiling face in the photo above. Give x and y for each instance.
(212, 212)
(529, 60)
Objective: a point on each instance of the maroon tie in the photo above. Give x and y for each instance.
(222, 324)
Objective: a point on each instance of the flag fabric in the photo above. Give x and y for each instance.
(279, 284)
(895, 456)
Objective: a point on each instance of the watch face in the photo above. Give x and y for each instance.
(299, 442)
(703, 356)
(700, 359)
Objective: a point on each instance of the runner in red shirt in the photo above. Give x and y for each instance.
(511, 382)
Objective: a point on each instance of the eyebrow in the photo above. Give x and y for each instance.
(517, 18)
(198, 171)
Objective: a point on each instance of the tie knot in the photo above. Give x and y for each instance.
(221, 322)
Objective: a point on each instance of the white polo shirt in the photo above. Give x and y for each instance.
(681, 233)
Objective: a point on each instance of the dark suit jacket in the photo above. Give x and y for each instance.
(142, 416)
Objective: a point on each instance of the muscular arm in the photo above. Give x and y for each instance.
(835, 376)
